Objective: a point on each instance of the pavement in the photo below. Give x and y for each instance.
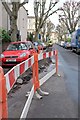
(58, 104)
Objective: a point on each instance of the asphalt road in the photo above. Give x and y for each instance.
(70, 65)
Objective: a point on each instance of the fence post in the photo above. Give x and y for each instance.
(3, 96)
(56, 58)
(38, 49)
(35, 72)
(36, 83)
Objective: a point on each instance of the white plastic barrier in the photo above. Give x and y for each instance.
(19, 69)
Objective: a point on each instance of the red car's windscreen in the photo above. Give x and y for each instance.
(17, 46)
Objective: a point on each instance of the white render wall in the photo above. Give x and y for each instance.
(3, 17)
(22, 23)
(31, 24)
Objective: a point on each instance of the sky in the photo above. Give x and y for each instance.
(53, 18)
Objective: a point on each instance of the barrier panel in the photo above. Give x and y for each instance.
(35, 72)
(3, 96)
(16, 71)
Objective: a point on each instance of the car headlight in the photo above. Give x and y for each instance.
(1, 56)
(23, 55)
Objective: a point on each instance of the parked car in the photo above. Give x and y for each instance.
(44, 45)
(16, 53)
(58, 43)
(67, 45)
(75, 41)
(62, 43)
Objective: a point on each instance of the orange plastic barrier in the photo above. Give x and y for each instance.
(35, 72)
(3, 96)
(3, 91)
(38, 49)
(56, 59)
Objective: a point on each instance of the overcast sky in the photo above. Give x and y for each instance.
(53, 18)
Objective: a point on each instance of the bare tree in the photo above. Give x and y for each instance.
(50, 27)
(41, 14)
(70, 15)
(43, 32)
(13, 15)
(59, 32)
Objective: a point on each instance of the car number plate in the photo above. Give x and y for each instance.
(11, 60)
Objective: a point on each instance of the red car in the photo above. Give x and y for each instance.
(17, 52)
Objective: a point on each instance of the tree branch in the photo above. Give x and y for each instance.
(76, 7)
(43, 21)
(50, 8)
(7, 8)
(66, 23)
(52, 13)
(77, 19)
(23, 3)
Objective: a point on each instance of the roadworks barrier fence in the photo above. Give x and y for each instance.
(8, 80)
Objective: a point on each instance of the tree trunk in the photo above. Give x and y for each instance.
(43, 34)
(65, 37)
(14, 17)
(13, 28)
(36, 36)
(43, 37)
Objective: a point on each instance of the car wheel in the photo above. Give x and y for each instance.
(77, 50)
(73, 50)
